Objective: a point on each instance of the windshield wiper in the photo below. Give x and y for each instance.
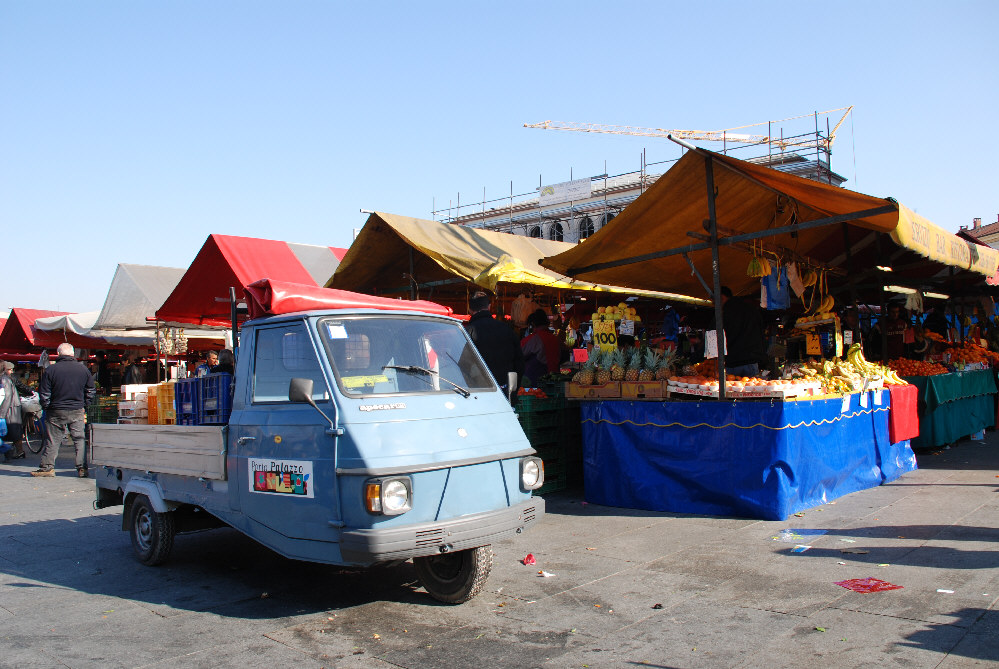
(416, 369)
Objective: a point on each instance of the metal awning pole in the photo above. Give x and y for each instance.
(716, 274)
(235, 323)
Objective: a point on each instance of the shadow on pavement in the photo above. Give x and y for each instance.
(219, 570)
(980, 643)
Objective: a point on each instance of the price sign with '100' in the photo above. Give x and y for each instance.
(605, 336)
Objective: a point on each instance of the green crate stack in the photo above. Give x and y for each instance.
(556, 467)
(103, 410)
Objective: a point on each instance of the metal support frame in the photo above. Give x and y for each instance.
(716, 274)
(735, 239)
(693, 270)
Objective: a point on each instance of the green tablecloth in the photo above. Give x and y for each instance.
(952, 406)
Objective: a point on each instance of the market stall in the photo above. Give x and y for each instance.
(953, 406)
(763, 460)
(730, 452)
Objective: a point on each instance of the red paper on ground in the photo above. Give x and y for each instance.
(903, 419)
(866, 585)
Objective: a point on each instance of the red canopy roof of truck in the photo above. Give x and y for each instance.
(269, 297)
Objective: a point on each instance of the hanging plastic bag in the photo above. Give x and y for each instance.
(3, 427)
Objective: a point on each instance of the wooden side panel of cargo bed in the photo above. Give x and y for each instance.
(187, 450)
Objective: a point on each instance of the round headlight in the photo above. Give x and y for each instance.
(530, 473)
(395, 495)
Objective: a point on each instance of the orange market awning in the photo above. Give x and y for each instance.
(660, 238)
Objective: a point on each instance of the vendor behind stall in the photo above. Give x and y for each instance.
(743, 335)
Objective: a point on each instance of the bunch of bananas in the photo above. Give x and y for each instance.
(855, 355)
(809, 278)
(759, 267)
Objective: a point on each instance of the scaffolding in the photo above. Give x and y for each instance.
(789, 147)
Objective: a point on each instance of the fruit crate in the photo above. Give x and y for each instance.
(165, 411)
(532, 403)
(216, 399)
(187, 401)
(539, 419)
(103, 410)
(541, 437)
(152, 405)
(555, 478)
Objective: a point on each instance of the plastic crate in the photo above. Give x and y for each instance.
(532, 403)
(103, 410)
(539, 419)
(541, 437)
(187, 401)
(152, 405)
(165, 411)
(216, 399)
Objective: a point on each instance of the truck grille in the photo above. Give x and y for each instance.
(430, 537)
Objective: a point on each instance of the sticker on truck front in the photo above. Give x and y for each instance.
(281, 477)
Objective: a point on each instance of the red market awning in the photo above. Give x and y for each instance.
(268, 297)
(224, 262)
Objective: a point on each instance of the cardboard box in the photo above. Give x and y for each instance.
(643, 390)
(597, 391)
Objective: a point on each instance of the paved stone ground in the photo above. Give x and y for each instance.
(629, 588)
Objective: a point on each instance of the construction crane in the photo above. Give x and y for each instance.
(706, 135)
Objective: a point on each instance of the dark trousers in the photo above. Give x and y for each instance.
(57, 423)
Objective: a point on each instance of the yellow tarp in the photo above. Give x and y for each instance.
(380, 259)
(749, 198)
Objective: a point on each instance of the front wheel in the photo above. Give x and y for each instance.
(33, 435)
(152, 532)
(454, 578)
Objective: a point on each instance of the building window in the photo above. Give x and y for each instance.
(586, 228)
(535, 232)
(556, 232)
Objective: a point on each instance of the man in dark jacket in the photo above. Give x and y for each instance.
(743, 335)
(497, 343)
(65, 390)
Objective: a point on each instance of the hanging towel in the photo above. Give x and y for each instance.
(794, 279)
(774, 290)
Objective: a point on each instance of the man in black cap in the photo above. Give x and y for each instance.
(66, 389)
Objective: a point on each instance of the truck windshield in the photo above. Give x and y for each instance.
(371, 355)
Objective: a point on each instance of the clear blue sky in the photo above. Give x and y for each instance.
(132, 130)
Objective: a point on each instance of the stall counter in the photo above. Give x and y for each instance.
(763, 460)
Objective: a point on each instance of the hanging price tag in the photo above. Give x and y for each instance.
(877, 398)
(846, 404)
(626, 328)
(863, 400)
(813, 343)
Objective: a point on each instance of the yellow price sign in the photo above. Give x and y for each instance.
(605, 336)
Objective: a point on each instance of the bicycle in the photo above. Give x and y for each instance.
(33, 435)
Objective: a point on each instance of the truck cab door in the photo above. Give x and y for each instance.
(282, 452)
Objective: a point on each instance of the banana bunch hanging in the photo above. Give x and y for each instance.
(759, 266)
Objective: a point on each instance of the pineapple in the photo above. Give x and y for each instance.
(584, 376)
(603, 371)
(648, 372)
(618, 363)
(665, 368)
(634, 365)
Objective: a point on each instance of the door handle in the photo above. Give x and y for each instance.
(245, 440)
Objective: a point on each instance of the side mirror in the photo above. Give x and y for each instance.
(511, 385)
(300, 390)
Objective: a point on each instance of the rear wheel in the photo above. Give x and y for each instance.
(454, 578)
(152, 532)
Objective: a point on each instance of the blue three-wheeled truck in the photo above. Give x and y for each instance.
(363, 431)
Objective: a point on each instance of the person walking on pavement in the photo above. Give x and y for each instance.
(10, 411)
(66, 389)
(496, 342)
